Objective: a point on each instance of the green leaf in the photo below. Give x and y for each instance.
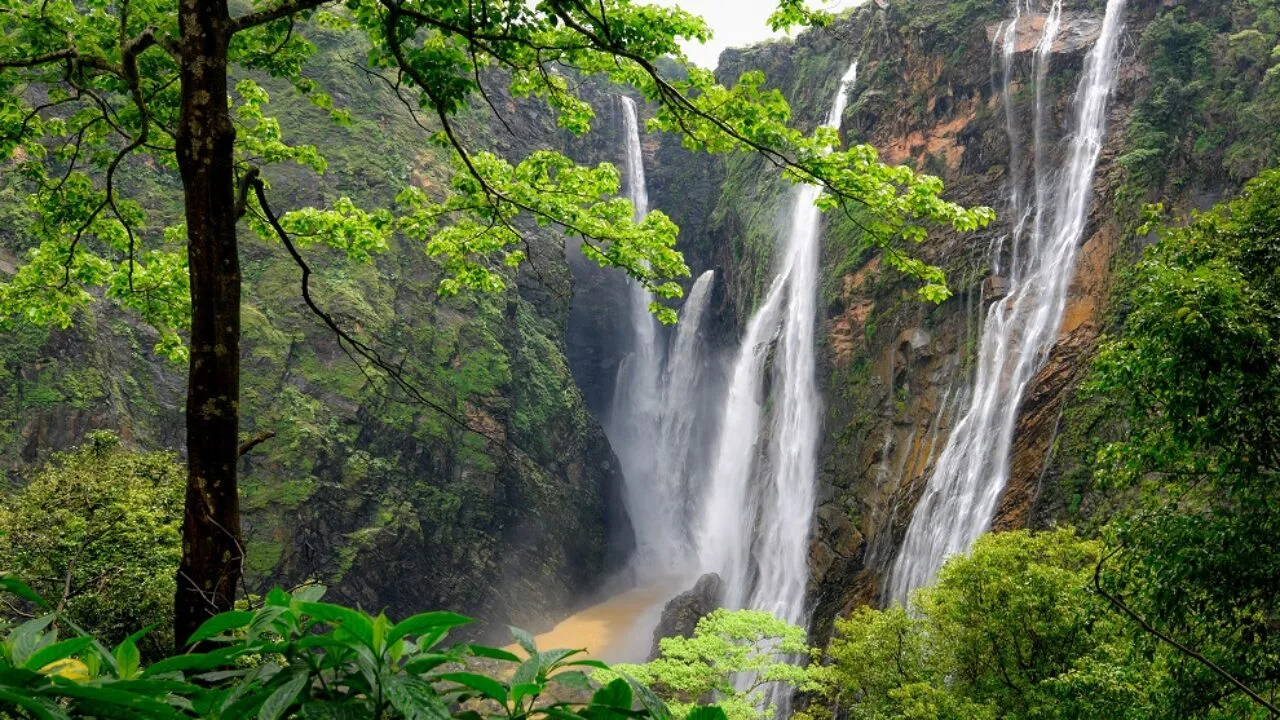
(587, 662)
(309, 593)
(486, 686)
(11, 584)
(415, 698)
(575, 679)
(56, 651)
(283, 697)
(220, 623)
(422, 622)
(524, 640)
(128, 659)
(706, 712)
(527, 671)
(194, 661)
(263, 620)
(492, 653)
(548, 658)
(356, 623)
(428, 661)
(29, 637)
(113, 698)
(617, 694)
(40, 708)
(523, 690)
(657, 709)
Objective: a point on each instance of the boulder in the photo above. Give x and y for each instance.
(682, 612)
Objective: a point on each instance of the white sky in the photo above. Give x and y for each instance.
(737, 22)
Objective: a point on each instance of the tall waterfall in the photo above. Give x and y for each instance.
(755, 515)
(654, 405)
(1021, 328)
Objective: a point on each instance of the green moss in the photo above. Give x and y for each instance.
(82, 387)
(261, 557)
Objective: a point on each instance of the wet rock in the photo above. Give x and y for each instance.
(916, 339)
(995, 288)
(682, 613)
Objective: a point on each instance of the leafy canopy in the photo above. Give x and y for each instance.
(89, 98)
(735, 656)
(1010, 631)
(1194, 378)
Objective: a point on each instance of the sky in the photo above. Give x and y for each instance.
(736, 23)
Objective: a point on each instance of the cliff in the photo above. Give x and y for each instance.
(895, 370)
(396, 506)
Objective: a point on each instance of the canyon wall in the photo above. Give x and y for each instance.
(895, 369)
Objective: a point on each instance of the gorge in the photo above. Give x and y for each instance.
(810, 439)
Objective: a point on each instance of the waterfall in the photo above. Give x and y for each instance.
(678, 463)
(755, 515)
(1020, 329)
(654, 408)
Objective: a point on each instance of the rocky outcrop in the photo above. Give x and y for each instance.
(895, 370)
(681, 614)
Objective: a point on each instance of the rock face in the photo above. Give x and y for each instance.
(681, 614)
(894, 369)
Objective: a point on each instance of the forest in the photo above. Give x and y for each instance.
(491, 359)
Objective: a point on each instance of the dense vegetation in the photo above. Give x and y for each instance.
(1209, 113)
(1162, 604)
(89, 90)
(295, 656)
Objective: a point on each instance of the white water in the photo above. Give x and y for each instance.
(961, 496)
(679, 468)
(756, 512)
(654, 409)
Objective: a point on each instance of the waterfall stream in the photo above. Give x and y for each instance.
(756, 511)
(1020, 329)
(654, 409)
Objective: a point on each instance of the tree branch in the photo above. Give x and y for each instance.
(279, 12)
(255, 441)
(1152, 630)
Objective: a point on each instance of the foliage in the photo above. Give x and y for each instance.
(98, 529)
(1195, 377)
(1214, 85)
(738, 657)
(298, 657)
(1010, 631)
(122, 100)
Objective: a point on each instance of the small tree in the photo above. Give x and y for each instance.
(97, 533)
(1012, 630)
(734, 658)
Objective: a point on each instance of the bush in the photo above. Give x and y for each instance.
(98, 530)
(297, 657)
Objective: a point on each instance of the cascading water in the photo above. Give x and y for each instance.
(654, 405)
(755, 516)
(678, 465)
(1020, 329)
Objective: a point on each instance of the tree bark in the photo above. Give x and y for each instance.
(212, 551)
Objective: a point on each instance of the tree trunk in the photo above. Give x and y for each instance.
(211, 548)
